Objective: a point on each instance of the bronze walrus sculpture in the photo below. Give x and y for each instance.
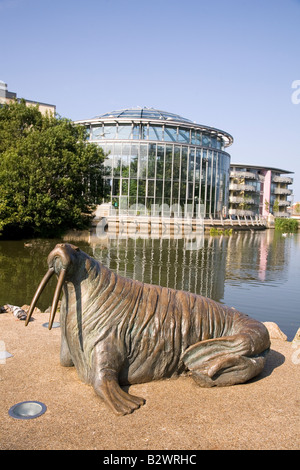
(116, 331)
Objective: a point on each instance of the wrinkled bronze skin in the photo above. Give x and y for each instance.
(118, 331)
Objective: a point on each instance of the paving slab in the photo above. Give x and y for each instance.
(262, 414)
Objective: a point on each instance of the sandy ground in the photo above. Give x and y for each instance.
(178, 415)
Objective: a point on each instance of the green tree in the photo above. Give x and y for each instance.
(267, 205)
(51, 177)
(276, 206)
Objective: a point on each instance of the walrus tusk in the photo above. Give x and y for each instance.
(57, 293)
(39, 290)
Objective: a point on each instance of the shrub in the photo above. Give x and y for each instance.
(219, 231)
(286, 225)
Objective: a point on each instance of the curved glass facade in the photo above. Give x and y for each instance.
(161, 163)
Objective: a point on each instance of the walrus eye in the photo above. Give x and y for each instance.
(74, 247)
(40, 289)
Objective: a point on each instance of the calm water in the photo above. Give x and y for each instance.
(257, 273)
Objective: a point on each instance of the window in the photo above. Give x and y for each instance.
(214, 142)
(117, 159)
(191, 164)
(175, 192)
(108, 167)
(190, 191)
(134, 161)
(170, 134)
(184, 164)
(125, 186)
(205, 140)
(151, 161)
(109, 132)
(136, 131)
(160, 162)
(168, 163)
(150, 191)
(142, 169)
(184, 135)
(176, 163)
(88, 132)
(159, 190)
(142, 190)
(123, 202)
(117, 165)
(97, 132)
(167, 192)
(109, 149)
(125, 160)
(198, 164)
(144, 131)
(133, 190)
(124, 132)
(115, 187)
(155, 133)
(195, 137)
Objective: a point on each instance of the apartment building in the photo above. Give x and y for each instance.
(8, 96)
(257, 191)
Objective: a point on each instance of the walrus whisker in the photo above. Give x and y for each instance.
(39, 290)
(57, 293)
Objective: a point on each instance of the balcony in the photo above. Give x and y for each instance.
(241, 187)
(281, 214)
(284, 203)
(241, 200)
(282, 179)
(241, 212)
(286, 191)
(243, 174)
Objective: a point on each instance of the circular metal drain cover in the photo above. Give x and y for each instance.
(56, 324)
(27, 410)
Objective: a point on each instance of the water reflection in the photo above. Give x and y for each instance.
(166, 262)
(22, 266)
(257, 257)
(253, 257)
(247, 270)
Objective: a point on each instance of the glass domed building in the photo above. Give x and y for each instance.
(161, 163)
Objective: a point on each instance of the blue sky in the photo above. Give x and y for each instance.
(229, 64)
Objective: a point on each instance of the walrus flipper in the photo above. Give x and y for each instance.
(121, 402)
(222, 361)
(106, 383)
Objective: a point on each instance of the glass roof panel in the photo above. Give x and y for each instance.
(151, 114)
(144, 113)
